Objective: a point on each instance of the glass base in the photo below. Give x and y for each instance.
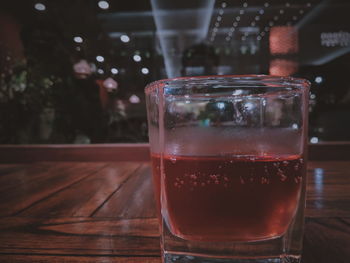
(282, 249)
(178, 258)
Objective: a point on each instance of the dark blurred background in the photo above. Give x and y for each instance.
(74, 71)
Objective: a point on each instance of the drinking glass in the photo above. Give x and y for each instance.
(229, 160)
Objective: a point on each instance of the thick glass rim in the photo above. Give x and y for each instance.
(291, 82)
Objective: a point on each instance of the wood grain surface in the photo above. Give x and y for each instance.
(104, 212)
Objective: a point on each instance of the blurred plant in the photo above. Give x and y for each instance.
(24, 94)
(33, 92)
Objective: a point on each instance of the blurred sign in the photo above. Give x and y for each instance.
(333, 39)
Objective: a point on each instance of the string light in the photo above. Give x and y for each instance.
(218, 20)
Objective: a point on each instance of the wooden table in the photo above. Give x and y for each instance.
(104, 212)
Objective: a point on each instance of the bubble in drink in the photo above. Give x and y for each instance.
(239, 202)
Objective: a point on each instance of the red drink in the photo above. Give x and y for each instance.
(229, 198)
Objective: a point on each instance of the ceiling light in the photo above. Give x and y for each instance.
(137, 58)
(124, 38)
(318, 79)
(314, 140)
(40, 7)
(145, 71)
(78, 39)
(103, 4)
(134, 99)
(114, 71)
(100, 58)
